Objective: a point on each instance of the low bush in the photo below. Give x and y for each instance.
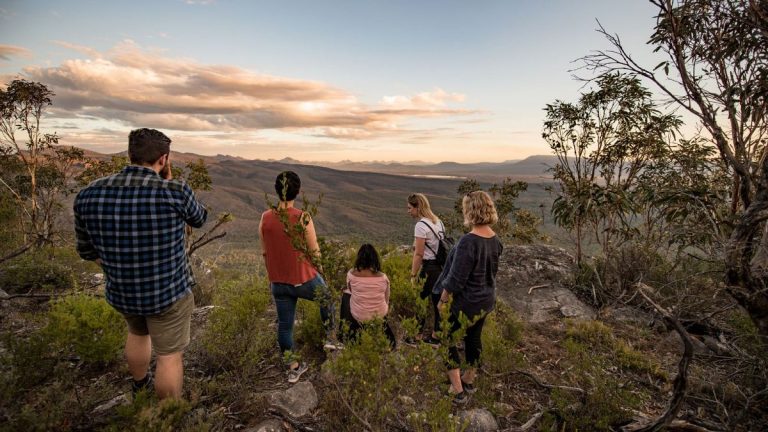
(367, 380)
(502, 332)
(239, 335)
(88, 326)
(404, 297)
(608, 400)
(683, 282)
(145, 414)
(620, 352)
(309, 331)
(34, 272)
(25, 362)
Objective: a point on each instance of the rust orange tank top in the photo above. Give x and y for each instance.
(284, 263)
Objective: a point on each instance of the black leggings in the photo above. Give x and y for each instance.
(355, 326)
(431, 271)
(473, 343)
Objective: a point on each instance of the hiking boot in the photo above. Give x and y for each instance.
(146, 383)
(429, 340)
(460, 398)
(295, 374)
(469, 388)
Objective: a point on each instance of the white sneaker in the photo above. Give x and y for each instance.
(333, 346)
(295, 374)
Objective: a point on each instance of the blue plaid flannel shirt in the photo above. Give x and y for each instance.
(134, 222)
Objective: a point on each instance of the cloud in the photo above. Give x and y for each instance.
(8, 51)
(90, 52)
(425, 100)
(145, 88)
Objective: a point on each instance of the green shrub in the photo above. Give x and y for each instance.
(607, 400)
(600, 336)
(590, 332)
(26, 362)
(592, 351)
(53, 406)
(309, 331)
(87, 325)
(239, 334)
(145, 414)
(746, 335)
(36, 272)
(404, 296)
(502, 332)
(368, 378)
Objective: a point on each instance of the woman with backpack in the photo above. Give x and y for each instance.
(469, 280)
(425, 265)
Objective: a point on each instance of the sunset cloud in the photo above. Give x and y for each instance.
(90, 52)
(8, 51)
(141, 87)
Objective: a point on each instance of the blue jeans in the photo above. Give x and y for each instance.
(286, 296)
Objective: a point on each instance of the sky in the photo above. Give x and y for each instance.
(314, 80)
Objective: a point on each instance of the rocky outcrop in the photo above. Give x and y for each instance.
(297, 401)
(271, 425)
(478, 420)
(533, 280)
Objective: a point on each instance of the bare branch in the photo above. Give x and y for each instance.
(681, 380)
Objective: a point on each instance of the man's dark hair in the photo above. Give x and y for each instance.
(146, 146)
(368, 258)
(287, 185)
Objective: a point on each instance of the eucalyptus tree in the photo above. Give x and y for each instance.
(603, 142)
(35, 173)
(715, 66)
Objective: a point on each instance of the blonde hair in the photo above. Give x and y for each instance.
(478, 209)
(421, 204)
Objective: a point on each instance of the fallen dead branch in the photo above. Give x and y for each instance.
(527, 425)
(537, 381)
(295, 423)
(349, 407)
(530, 290)
(674, 425)
(681, 380)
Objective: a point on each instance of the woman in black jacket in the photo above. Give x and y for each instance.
(469, 278)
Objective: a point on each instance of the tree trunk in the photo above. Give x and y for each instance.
(746, 282)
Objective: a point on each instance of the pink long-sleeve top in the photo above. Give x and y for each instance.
(370, 296)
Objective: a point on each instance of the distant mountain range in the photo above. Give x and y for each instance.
(531, 169)
(365, 201)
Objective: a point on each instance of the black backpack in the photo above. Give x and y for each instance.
(444, 244)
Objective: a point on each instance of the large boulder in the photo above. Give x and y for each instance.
(297, 401)
(478, 420)
(533, 280)
(271, 425)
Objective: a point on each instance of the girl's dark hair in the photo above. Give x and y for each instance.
(367, 258)
(287, 185)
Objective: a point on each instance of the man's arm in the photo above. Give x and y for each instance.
(84, 245)
(194, 212)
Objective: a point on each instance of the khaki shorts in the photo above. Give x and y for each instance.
(169, 330)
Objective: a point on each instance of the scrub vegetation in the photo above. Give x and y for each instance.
(668, 235)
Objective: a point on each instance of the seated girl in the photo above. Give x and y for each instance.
(367, 294)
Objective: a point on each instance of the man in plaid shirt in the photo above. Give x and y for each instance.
(132, 223)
